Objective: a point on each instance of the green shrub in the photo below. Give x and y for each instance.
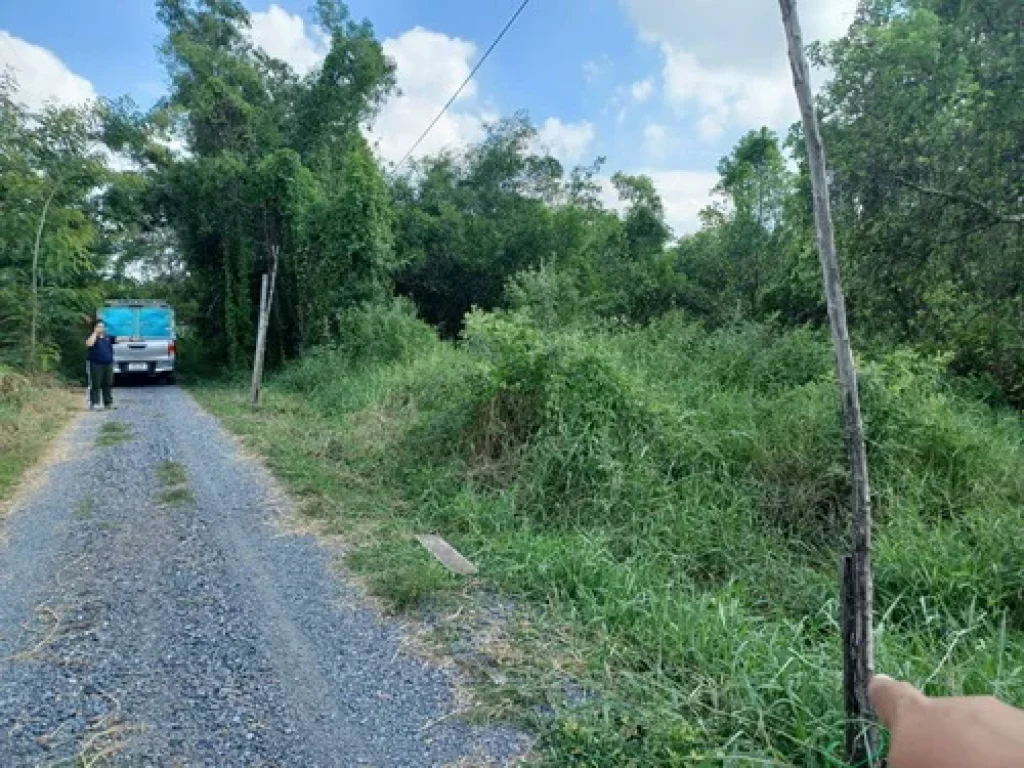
(549, 297)
(402, 571)
(372, 338)
(14, 387)
(388, 333)
(196, 357)
(673, 501)
(747, 357)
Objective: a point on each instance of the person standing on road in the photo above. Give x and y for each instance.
(100, 366)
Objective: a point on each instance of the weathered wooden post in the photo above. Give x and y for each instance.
(856, 587)
(266, 300)
(257, 363)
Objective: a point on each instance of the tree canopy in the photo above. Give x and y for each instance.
(243, 156)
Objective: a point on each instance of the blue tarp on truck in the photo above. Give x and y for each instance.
(144, 330)
(141, 322)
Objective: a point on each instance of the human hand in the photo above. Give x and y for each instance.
(968, 731)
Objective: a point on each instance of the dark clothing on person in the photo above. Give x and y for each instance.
(102, 351)
(101, 380)
(101, 371)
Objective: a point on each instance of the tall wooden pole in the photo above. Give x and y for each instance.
(261, 341)
(858, 650)
(266, 301)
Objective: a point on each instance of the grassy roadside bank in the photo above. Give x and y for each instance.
(667, 504)
(32, 412)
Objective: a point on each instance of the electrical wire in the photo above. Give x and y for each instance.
(462, 87)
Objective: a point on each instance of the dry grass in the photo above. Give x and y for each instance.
(105, 737)
(53, 624)
(33, 413)
(476, 761)
(377, 425)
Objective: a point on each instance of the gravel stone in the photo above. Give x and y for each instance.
(199, 634)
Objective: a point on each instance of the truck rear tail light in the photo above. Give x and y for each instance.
(172, 349)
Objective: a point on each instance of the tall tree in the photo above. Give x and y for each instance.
(923, 115)
(741, 261)
(274, 160)
(647, 234)
(468, 223)
(50, 172)
(756, 182)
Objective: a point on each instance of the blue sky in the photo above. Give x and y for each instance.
(664, 87)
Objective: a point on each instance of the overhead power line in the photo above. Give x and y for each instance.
(462, 87)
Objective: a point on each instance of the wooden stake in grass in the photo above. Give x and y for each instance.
(266, 300)
(858, 651)
(447, 555)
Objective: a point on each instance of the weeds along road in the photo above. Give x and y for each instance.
(153, 613)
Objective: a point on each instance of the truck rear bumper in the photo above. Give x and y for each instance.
(144, 367)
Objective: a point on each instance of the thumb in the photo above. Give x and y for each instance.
(888, 696)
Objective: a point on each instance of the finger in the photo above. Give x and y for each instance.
(888, 695)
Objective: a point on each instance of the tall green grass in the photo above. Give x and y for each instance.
(670, 504)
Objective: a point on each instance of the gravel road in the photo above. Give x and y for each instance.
(146, 621)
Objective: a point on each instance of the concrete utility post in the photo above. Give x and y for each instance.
(858, 648)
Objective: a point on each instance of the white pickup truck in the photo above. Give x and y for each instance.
(145, 341)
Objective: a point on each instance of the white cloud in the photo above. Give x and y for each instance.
(724, 97)
(40, 77)
(711, 126)
(743, 33)
(657, 141)
(569, 142)
(684, 193)
(595, 69)
(725, 62)
(429, 67)
(285, 36)
(624, 97)
(642, 90)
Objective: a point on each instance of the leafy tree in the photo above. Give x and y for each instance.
(50, 170)
(739, 261)
(645, 228)
(275, 161)
(467, 224)
(501, 226)
(923, 119)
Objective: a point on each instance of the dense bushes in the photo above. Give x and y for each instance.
(370, 334)
(383, 334)
(672, 501)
